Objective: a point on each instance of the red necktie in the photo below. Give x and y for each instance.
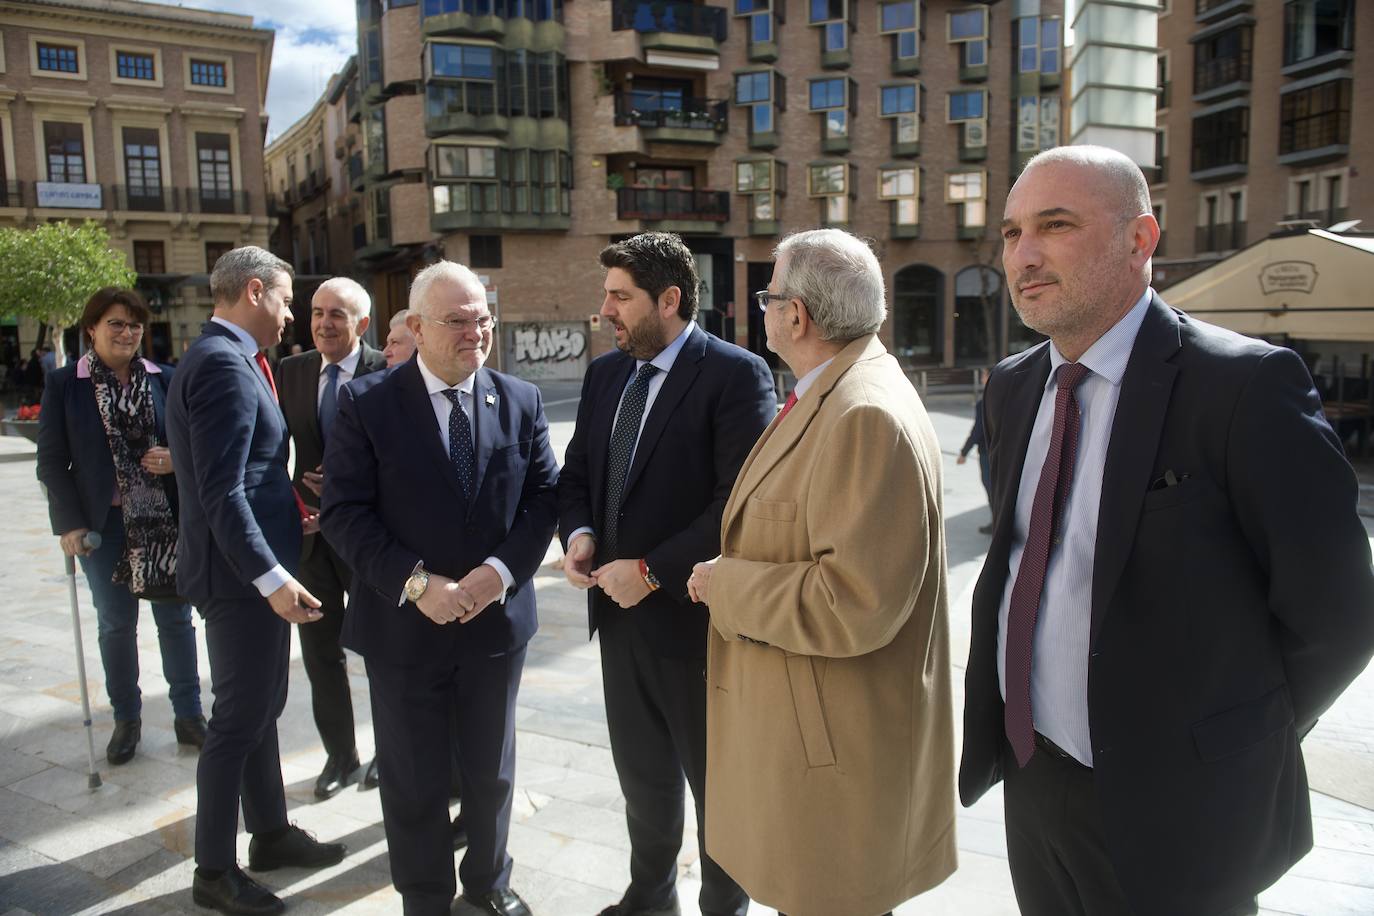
(1051, 493)
(261, 359)
(787, 405)
(266, 368)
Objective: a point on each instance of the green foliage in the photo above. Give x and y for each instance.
(48, 272)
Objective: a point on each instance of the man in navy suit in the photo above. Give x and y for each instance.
(440, 496)
(339, 314)
(1177, 586)
(663, 426)
(239, 544)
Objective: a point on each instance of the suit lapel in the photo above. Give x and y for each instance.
(1140, 412)
(685, 370)
(1026, 385)
(420, 412)
(486, 414)
(369, 360)
(306, 395)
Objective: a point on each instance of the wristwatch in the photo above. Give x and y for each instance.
(649, 578)
(417, 583)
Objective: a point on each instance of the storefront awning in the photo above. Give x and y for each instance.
(1311, 285)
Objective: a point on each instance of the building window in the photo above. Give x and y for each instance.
(764, 91)
(1038, 44)
(759, 14)
(969, 191)
(831, 97)
(1221, 139)
(379, 215)
(214, 173)
(901, 185)
(469, 72)
(142, 166)
(1315, 28)
(1222, 59)
(825, 179)
(901, 20)
(917, 297)
(58, 58)
(497, 180)
(149, 258)
(977, 313)
(761, 180)
(209, 73)
(1315, 117)
(901, 102)
(465, 161)
(1037, 122)
(484, 251)
(66, 148)
(213, 251)
(832, 16)
(969, 28)
(1162, 81)
(131, 65)
(970, 105)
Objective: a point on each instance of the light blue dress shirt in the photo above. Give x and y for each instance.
(1059, 665)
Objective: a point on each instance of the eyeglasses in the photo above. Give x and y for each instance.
(119, 326)
(463, 325)
(763, 297)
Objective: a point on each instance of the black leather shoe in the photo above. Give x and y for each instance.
(499, 901)
(337, 773)
(294, 848)
(190, 731)
(123, 741)
(460, 833)
(370, 779)
(235, 892)
(620, 909)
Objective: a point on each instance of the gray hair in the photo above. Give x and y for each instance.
(350, 293)
(400, 317)
(449, 271)
(1115, 168)
(838, 277)
(237, 266)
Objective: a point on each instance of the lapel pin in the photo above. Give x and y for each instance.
(491, 400)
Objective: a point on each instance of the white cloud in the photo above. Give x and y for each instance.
(313, 41)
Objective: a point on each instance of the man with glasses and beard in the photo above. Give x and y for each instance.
(663, 426)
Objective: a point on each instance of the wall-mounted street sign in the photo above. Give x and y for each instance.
(1288, 277)
(68, 196)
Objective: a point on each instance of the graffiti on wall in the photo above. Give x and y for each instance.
(547, 350)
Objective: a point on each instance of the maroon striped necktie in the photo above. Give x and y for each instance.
(1051, 493)
(787, 405)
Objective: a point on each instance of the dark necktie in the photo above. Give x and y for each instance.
(786, 406)
(623, 439)
(1051, 493)
(329, 401)
(266, 367)
(460, 443)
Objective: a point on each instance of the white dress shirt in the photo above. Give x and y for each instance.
(664, 362)
(348, 367)
(1059, 664)
(277, 576)
(809, 379)
(443, 408)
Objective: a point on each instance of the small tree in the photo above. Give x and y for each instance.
(48, 272)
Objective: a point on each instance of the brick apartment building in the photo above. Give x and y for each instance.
(1256, 126)
(521, 136)
(147, 119)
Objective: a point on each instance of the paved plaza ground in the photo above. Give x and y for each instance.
(125, 848)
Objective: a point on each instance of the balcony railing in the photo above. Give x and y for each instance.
(359, 236)
(11, 193)
(215, 200)
(1221, 71)
(355, 168)
(1221, 237)
(679, 18)
(672, 204)
(1322, 218)
(145, 199)
(645, 110)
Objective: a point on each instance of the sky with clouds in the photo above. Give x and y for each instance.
(314, 40)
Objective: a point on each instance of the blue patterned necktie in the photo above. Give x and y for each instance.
(329, 402)
(622, 449)
(460, 443)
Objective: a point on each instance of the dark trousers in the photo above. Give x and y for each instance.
(326, 577)
(249, 649)
(116, 612)
(656, 711)
(1056, 846)
(412, 716)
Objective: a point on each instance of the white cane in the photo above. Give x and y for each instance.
(91, 542)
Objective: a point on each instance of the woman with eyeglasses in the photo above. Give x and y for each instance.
(103, 458)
